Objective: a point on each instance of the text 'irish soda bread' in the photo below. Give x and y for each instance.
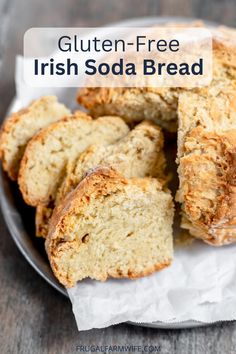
(110, 226)
(47, 154)
(207, 165)
(19, 128)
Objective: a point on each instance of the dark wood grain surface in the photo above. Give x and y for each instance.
(34, 318)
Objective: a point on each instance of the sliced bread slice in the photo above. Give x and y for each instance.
(110, 226)
(46, 155)
(19, 128)
(138, 154)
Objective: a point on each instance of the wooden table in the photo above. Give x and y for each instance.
(34, 318)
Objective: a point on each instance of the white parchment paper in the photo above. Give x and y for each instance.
(199, 285)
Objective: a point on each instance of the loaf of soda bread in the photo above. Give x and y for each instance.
(19, 128)
(110, 226)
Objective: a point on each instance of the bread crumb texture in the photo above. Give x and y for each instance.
(21, 126)
(137, 154)
(48, 152)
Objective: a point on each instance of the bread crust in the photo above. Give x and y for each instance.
(133, 104)
(204, 174)
(211, 109)
(108, 180)
(160, 104)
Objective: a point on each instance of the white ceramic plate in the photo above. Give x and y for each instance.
(20, 218)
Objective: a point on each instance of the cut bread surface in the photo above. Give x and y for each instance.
(48, 152)
(19, 128)
(110, 226)
(138, 154)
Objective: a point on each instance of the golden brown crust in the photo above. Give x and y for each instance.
(134, 103)
(147, 272)
(5, 130)
(214, 237)
(224, 45)
(208, 186)
(90, 97)
(213, 109)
